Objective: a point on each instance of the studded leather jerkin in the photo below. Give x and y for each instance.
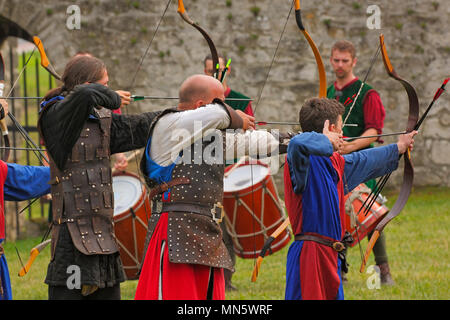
(82, 194)
(194, 238)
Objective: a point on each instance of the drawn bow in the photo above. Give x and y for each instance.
(212, 47)
(9, 28)
(408, 173)
(322, 94)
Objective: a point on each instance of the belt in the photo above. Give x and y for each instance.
(215, 212)
(336, 245)
(2, 251)
(167, 185)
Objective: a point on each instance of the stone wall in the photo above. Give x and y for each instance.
(119, 32)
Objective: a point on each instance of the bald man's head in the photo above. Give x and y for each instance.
(199, 90)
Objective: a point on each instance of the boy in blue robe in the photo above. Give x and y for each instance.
(316, 178)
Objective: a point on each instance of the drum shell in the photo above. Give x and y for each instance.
(366, 222)
(261, 199)
(130, 228)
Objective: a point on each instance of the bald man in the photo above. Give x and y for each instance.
(184, 167)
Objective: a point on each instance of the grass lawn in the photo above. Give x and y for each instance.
(417, 243)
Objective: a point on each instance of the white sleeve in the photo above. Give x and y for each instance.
(176, 131)
(252, 143)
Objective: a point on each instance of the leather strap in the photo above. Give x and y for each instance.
(73, 219)
(336, 245)
(215, 212)
(166, 186)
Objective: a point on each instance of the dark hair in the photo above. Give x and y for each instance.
(344, 45)
(79, 70)
(315, 111)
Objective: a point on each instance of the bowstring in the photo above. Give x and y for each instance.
(254, 114)
(39, 155)
(372, 62)
(133, 81)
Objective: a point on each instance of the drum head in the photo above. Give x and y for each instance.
(242, 177)
(127, 192)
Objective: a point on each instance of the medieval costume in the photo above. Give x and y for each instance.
(368, 112)
(80, 133)
(17, 183)
(316, 180)
(185, 255)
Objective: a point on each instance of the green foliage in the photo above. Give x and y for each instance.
(255, 10)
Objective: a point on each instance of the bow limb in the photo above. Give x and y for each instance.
(320, 65)
(33, 254)
(45, 63)
(322, 94)
(215, 57)
(266, 247)
(3, 126)
(11, 29)
(408, 173)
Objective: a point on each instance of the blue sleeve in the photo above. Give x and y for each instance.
(299, 149)
(26, 182)
(369, 164)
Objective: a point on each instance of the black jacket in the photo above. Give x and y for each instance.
(61, 122)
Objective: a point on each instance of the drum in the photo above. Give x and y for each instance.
(356, 221)
(131, 213)
(252, 209)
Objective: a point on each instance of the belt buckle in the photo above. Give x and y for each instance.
(217, 212)
(157, 206)
(338, 246)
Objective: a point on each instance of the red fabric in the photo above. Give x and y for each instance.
(249, 109)
(338, 162)
(374, 112)
(293, 203)
(318, 277)
(117, 111)
(3, 173)
(179, 281)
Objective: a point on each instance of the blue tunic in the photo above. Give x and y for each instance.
(316, 180)
(22, 183)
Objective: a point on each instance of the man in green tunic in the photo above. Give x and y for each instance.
(365, 117)
(245, 105)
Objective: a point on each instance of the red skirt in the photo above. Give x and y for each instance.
(161, 279)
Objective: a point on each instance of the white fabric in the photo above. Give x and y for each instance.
(177, 131)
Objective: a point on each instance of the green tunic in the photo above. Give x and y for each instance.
(237, 104)
(357, 114)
